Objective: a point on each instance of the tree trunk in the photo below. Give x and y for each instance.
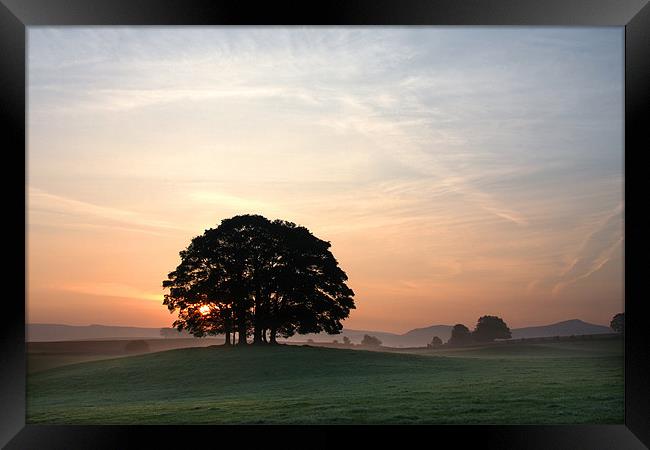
(242, 329)
(257, 336)
(228, 326)
(257, 330)
(273, 330)
(257, 325)
(264, 336)
(227, 335)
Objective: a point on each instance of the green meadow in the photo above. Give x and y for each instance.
(561, 382)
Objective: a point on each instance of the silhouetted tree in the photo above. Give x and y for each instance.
(618, 323)
(435, 342)
(489, 328)
(308, 293)
(370, 341)
(252, 274)
(346, 340)
(460, 335)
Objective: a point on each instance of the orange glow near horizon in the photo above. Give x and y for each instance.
(456, 172)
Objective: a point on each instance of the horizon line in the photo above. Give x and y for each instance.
(353, 329)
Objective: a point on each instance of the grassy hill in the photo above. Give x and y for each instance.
(579, 382)
(46, 355)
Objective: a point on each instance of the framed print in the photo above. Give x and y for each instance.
(287, 221)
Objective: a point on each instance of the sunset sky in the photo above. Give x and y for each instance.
(457, 172)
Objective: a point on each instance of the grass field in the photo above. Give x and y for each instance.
(553, 383)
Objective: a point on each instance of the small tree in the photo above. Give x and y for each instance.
(460, 335)
(489, 328)
(370, 341)
(618, 323)
(335, 342)
(346, 340)
(435, 342)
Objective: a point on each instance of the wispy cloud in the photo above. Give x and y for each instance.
(109, 289)
(72, 212)
(594, 252)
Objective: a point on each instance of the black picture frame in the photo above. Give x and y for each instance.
(634, 15)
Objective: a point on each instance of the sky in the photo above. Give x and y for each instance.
(456, 171)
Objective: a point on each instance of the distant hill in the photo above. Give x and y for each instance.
(47, 332)
(417, 337)
(422, 336)
(566, 328)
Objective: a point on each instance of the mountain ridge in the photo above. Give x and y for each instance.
(43, 332)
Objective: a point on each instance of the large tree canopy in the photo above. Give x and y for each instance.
(251, 273)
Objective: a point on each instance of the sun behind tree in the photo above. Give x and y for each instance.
(251, 273)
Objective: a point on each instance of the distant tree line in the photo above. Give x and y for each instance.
(488, 328)
(258, 277)
(370, 341)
